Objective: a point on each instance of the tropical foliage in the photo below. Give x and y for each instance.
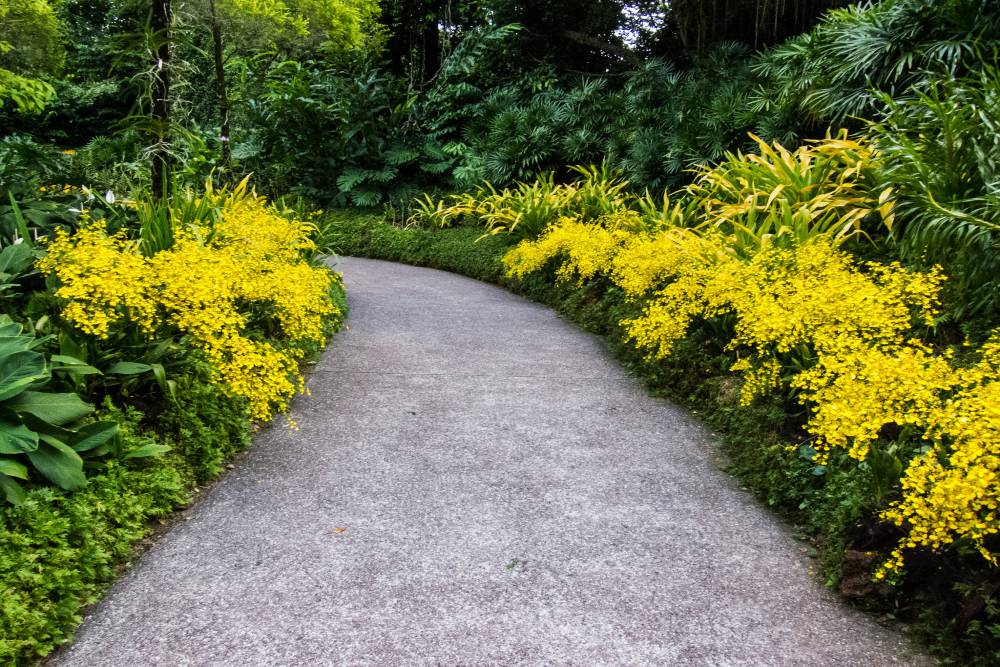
(791, 205)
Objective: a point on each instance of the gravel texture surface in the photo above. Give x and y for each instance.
(476, 482)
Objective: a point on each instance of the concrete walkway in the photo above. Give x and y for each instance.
(475, 482)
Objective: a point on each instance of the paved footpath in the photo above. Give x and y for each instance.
(475, 482)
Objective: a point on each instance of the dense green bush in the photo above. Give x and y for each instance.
(347, 137)
(840, 70)
(61, 549)
(941, 152)
(208, 428)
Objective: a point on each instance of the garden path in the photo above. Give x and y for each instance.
(475, 482)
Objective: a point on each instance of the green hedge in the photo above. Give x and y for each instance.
(938, 597)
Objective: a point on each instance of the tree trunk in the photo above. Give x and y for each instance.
(220, 84)
(160, 25)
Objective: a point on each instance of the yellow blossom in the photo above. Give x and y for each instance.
(253, 268)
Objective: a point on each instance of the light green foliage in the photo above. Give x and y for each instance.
(526, 208)
(298, 26)
(60, 550)
(781, 198)
(209, 427)
(31, 32)
(28, 95)
(29, 46)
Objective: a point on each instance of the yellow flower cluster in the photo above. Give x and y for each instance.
(114, 281)
(586, 247)
(249, 266)
(810, 318)
(783, 298)
(858, 391)
(759, 379)
(952, 490)
(56, 189)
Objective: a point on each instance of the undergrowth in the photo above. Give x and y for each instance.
(61, 549)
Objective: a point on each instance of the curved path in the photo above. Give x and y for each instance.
(475, 482)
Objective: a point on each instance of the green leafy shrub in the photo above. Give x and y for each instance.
(207, 427)
(61, 549)
(526, 208)
(842, 68)
(39, 427)
(340, 137)
(940, 151)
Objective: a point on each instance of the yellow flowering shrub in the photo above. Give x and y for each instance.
(859, 390)
(811, 319)
(587, 248)
(813, 294)
(645, 261)
(952, 490)
(252, 264)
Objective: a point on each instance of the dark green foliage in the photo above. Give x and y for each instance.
(676, 120)
(516, 133)
(654, 125)
(335, 136)
(207, 427)
(941, 152)
(102, 55)
(838, 70)
(25, 165)
(757, 23)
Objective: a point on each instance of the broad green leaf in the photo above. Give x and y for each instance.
(17, 439)
(129, 368)
(12, 490)
(41, 426)
(19, 371)
(12, 468)
(58, 409)
(66, 364)
(58, 463)
(8, 329)
(93, 435)
(146, 451)
(12, 344)
(67, 360)
(69, 347)
(15, 259)
(160, 373)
